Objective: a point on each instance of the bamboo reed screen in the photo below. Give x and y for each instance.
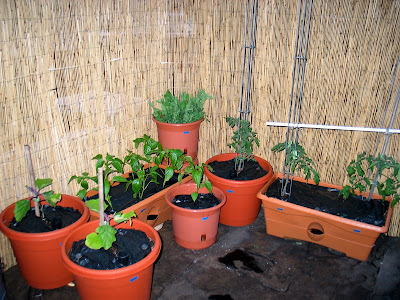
(76, 78)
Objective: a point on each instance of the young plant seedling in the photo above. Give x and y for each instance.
(243, 141)
(197, 172)
(112, 165)
(23, 206)
(185, 109)
(387, 172)
(297, 160)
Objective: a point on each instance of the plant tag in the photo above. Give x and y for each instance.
(356, 230)
(278, 208)
(205, 218)
(186, 132)
(229, 191)
(133, 279)
(143, 210)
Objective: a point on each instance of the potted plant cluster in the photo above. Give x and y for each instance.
(195, 209)
(36, 228)
(239, 175)
(178, 120)
(333, 216)
(112, 257)
(142, 188)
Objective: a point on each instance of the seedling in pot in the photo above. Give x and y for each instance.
(387, 175)
(23, 206)
(197, 172)
(296, 160)
(185, 109)
(243, 141)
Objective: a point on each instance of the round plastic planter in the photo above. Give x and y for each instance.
(38, 254)
(131, 282)
(242, 205)
(179, 136)
(194, 228)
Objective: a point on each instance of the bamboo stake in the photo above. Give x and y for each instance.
(101, 196)
(29, 164)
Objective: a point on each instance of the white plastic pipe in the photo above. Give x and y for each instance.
(334, 127)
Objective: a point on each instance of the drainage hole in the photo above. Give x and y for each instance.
(316, 231)
(152, 217)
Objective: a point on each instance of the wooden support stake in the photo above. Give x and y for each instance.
(31, 173)
(101, 196)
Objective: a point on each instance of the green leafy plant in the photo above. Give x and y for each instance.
(185, 109)
(154, 156)
(388, 176)
(297, 160)
(197, 172)
(111, 166)
(104, 235)
(243, 141)
(23, 206)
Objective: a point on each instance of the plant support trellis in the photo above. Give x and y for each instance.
(293, 125)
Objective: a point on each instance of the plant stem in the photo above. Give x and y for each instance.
(101, 196)
(29, 164)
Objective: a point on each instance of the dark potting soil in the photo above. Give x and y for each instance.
(203, 201)
(226, 169)
(130, 247)
(328, 200)
(54, 218)
(122, 198)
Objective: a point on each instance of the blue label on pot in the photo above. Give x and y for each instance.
(143, 210)
(60, 244)
(133, 279)
(205, 218)
(186, 132)
(278, 208)
(229, 191)
(356, 230)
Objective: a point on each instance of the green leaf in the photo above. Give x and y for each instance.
(123, 217)
(42, 183)
(194, 196)
(208, 185)
(120, 179)
(93, 241)
(21, 209)
(197, 176)
(52, 198)
(169, 172)
(93, 205)
(99, 163)
(107, 187)
(118, 166)
(81, 193)
(106, 234)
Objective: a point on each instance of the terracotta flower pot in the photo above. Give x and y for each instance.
(194, 228)
(131, 282)
(284, 219)
(152, 210)
(179, 136)
(242, 205)
(38, 254)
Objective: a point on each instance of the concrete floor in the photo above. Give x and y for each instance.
(246, 263)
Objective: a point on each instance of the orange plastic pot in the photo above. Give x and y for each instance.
(39, 254)
(131, 282)
(288, 220)
(194, 228)
(179, 136)
(152, 210)
(242, 205)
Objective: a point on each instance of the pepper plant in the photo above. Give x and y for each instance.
(185, 109)
(387, 172)
(243, 141)
(23, 206)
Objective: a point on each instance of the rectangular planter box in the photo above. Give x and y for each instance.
(284, 219)
(153, 210)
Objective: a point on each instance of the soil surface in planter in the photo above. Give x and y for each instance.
(130, 247)
(226, 169)
(54, 218)
(122, 198)
(203, 201)
(328, 200)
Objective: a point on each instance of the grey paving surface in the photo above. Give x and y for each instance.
(246, 263)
